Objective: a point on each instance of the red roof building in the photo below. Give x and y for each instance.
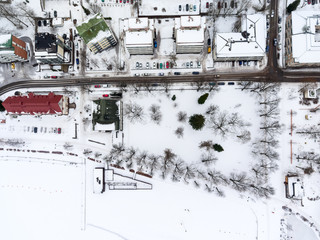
(37, 104)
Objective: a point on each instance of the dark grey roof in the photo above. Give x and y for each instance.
(46, 42)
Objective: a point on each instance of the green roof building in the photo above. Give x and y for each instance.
(97, 34)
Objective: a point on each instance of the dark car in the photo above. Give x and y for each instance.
(221, 83)
(116, 94)
(45, 23)
(195, 73)
(55, 14)
(77, 53)
(230, 83)
(209, 41)
(219, 5)
(187, 7)
(39, 23)
(77, 61)
(35, 130)
(177, 73)
(179, 7)
(155, 44)
(207, 5)
(240, 63)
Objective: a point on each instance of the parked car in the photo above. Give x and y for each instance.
(137, 74)
(97, 86)
(209, 41)
(217, 76)
(207, 5)
(161, 74)
(195, 73)
(191, 64)
(59, 130)
(167, 64)
(146, 74)
(279, 20)
(137, 64)
(77, 61)
(267, 48)
(45, 23)
(190, 7)
(55, 13)
(105, 95)
(155, 44)
(154, 64)
(176, 73)
(116, 94)
(39, 23)
(35, 129)
(140, 65)
(187, 64)
(275, 42)
(230, 83)
(240, 63)
(244, 63)
(147, 65)
(209, 49)
(54, 77)
(199, 64)
(179, 7)
(13, 66)
(187, 7)
(160, 65)
(221, 83)
(272, 13)
(194, 8)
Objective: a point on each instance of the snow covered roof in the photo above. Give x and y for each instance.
(306, 36)
(189, 30)
(295, 187)
(190, 21)
(138, 23)
(139, 38)
(250, 42)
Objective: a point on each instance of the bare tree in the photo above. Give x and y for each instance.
(245, 85)
(244, 136)
(87, 152)
(216, 177)
(212, 110)
(264, 150)
(155, 113)
(133, 112)
(271, 127)
(142, 159)
(239, 181)
(220, 124)
(208, 158)
(179, 132)
(97, 154)
(313, 131)
(167, 162)
(189, 173)
(270, 141)
(166, 86)
(270, 99)
(129, 156)
(153, 163)
(270, 111)
(178, 169)
(200, 85)
(182, 116)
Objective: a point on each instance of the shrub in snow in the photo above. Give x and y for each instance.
(182, 116)
(86, 10)
(218, 147)
(203, 98)
(173, 98)
(155, 113)
(197, 121)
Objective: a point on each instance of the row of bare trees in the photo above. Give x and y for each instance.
(264, 148)
(169, 165)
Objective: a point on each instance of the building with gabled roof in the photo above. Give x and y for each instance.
(302, 43)
(96, 34)
(37, 104)
(12, 49)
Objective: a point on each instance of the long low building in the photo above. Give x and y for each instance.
(249, 44)
(189, 34)
(37, 104)
(139, 35)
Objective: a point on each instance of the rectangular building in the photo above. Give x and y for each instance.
(302, 43)
(12, 49)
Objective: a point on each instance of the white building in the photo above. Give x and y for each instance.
(303, 38)
(249, 44)
(139, 35)
(189, 34)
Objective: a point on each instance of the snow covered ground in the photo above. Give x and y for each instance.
(44, 191)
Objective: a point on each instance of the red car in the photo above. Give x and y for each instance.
(54, 77)
(309, 1)
(105, 95)
(59, 130)
(167, 64)
(97, 86)
(207, 5)
(120, 1)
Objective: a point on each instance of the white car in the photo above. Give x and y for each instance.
(272, 13)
